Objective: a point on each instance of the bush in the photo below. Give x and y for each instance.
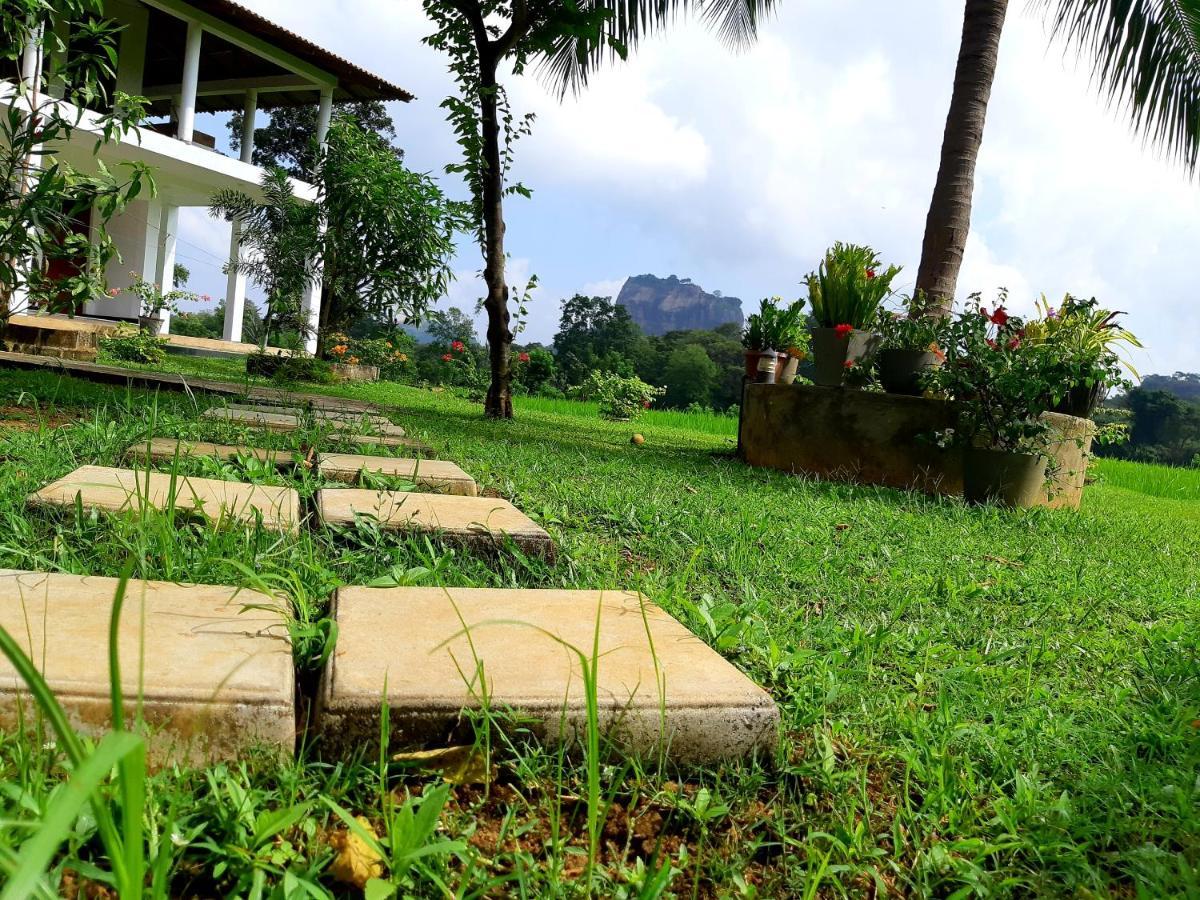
(532, 369)
(620, 398)
(138, 347)
(263, 365)
(286, 369)
(393, 355)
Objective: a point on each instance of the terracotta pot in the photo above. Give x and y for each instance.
(900, 370)
(1081, 401)
(1013, 480)
(752, 363)
(831, 351)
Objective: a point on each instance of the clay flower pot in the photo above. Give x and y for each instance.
(786, 368)
(1013, 480)
(751, 357)
(832, 348)
(900, 370)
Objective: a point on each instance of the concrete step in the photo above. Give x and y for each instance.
(212, 678)
(121, 490)
(325, 415)
(427, 474)
(475, 521)
(275, 419)
(164, 450)
(659, 686)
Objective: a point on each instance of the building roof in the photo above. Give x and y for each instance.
(224, 60)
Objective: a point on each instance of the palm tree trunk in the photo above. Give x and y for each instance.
(498, 403)
(949, 218)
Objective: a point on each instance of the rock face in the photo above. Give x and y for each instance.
(659, 305)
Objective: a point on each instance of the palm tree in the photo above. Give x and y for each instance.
(567, 39)
(1145, 57)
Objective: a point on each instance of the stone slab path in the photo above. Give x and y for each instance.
(119, 490)
(475, 521)
(164, 450)
(658, 684)
(214, 681)
(428, 474)
(390, 442)
(274, 420)
(350, 416)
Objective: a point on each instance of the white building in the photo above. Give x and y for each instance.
(189, 58)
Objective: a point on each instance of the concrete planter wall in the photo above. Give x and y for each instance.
(871, 438)
(348, 372)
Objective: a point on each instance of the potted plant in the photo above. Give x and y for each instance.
(154, 301)
(1083, 340)
(775, 341)
(909, 345)
(845, 293)
(999, 383)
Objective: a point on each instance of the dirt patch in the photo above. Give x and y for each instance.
(22, 418)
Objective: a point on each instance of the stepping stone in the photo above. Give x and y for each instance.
(321, 415)
(391, 442)
(658, 685)
(281, 421)
(164, 450)
(212, 680)
(120, 490)
(475, 521)
(440, 477)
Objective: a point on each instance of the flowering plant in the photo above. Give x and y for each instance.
(776, 326)
(1084, 339)
(153, 300)
(1000, 382)
(912, 328)
(848, 286)
(392, 355)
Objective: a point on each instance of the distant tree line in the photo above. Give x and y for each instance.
(1163, 416)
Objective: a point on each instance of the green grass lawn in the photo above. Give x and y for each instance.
(975, 702)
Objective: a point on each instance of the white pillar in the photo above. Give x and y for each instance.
(31, 58)
(235, 286)
(312, 296)
(164, 273)
(191, 79)
(324, 115)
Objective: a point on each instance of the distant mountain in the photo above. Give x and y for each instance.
(1184, 385)
(660, 305)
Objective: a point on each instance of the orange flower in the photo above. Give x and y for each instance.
(340, 349)
(354, 360)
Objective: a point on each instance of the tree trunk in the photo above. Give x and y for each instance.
(949, 218)
(323, 320)
(498, 404)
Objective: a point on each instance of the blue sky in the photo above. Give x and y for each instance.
(737, 170)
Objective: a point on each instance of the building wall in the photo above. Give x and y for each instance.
(135, 232)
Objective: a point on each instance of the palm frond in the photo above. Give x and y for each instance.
(1145, 56)
(572, 54)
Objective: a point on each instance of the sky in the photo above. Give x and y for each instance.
(737, 170)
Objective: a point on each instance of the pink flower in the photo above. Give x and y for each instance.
(843, 331)
(446, 357)
(645, 404)
(112, 292)
(522, 357)
(206, 298)
(1014, 343)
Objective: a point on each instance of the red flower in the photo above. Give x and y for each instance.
(870, 273)
(999, 317)
(843, 331)
(522, 357)
(457, 346)
(446, 357)
(849, 364)
(645, 404)
(1014, 343)
(993, 344)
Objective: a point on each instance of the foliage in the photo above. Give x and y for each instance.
(620, 398)
(919, 326)
(595, 333)
(298, 368)
(279, 243)
(535, 369)
(46, 260)
(388, 233)
(153, 300)
(393, 354)
(848, 286)
(777, 327)
(138, 347)
(1163, 428)
(1000, 382)
(288, 140)
(1084, 340)
(457, 365)
(450, 325)
(689, 377)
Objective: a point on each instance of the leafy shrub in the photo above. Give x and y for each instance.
(620, 398)
(393, 355)
(534, 368)
(304, 368)
(848, 286)
(263, 365)
(139, 347)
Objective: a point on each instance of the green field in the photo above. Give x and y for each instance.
(975, 702)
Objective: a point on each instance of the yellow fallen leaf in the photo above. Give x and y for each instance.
(356, 862)
(459, 765)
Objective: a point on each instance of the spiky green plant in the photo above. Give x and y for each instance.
(848, 286)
